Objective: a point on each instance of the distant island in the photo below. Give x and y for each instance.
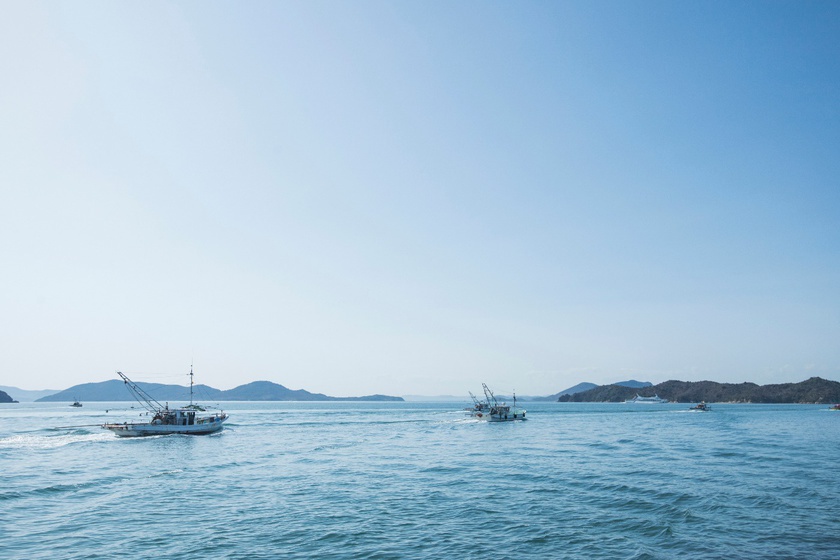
(23, 395)
(586, 386)
(115, 390)
(813, 391)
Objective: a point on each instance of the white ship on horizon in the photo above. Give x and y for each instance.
(638, 399)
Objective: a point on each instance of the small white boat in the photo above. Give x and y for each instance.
(505, 413)
(184, 420)
(500, 412)
(638, 399)
(701, 407)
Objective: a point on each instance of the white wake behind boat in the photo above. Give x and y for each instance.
(191, 419)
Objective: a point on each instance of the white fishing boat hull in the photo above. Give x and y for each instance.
(128, 429)
(505, 418)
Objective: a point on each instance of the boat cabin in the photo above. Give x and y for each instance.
(177, 417)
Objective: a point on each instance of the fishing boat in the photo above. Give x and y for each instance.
(76, 404)
(702, 407)
(501, 412)
(638, 399)
(191, 419)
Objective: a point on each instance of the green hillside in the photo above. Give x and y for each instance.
(813, 390)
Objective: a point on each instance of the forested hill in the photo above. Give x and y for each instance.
(814, 390)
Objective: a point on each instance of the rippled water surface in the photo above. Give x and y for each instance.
(420, 480)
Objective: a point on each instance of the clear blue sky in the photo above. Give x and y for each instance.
(415, 197)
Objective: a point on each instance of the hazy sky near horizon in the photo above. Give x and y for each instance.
(417, 197)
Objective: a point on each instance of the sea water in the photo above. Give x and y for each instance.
(424, 480)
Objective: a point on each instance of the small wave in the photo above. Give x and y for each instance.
(54, 489)
(336, 446)
(165, 473)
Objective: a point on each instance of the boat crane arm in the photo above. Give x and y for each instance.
(489, 395)
(141, 396)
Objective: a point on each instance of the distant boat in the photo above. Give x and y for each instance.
(638, 399)
(835, 407)
(499, 412)
(702, 407)
(165, 420)
(76, 404)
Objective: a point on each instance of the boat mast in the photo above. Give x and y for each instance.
(191, 384)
